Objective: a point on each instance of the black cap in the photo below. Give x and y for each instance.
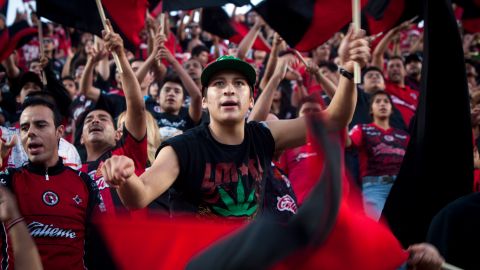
(26, 78)
(413, 57)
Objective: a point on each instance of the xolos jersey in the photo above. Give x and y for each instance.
(56, 203)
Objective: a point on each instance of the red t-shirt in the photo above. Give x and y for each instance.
(380, 151)
(297, 163)
(405, 100)
(127, 146)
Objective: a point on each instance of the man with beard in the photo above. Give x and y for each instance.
(101, 138)
(413, 66)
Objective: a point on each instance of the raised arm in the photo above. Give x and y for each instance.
(247, 42)
(25, 252)
(195, 109)
(150, 61)
(292, 133)
(264, 102)
(377, 55)
(86, 81)
(137, 192)
(328, 86)
(135, 120)
(272, 61)
(11, 69)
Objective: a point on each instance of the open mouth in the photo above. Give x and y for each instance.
(230, 104)
(34, 148)
(95, 129)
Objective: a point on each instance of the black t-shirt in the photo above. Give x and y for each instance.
(222, 180)
(168, 123)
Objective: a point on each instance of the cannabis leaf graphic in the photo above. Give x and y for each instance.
(241, 207)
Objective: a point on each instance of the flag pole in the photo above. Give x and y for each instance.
(104, 22)
(447, 266)
(299, 55)
(356, 27)
(42, 46)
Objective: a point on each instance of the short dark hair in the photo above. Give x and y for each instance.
(377, 93)
(397, 57)
(371, 68)
(197, 50)
(34, 60)
(329, 65)
(39, 101)
(173, 78)
(67, 78)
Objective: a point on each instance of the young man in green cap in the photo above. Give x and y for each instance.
(218, 168)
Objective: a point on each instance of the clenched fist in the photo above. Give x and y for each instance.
(117, 170)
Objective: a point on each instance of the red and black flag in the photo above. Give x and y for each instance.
(382, 15)
(169, 5)
(471, 15)
(4, 7)
(127, 16)
(14, 37)
(306, 24)
(155, 7)
(326, 233)
(429, 180)
(217, 22)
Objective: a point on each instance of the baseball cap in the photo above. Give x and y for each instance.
(413, 57)
(26, 78)
(228, 62)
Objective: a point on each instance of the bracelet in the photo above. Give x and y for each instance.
(12, 223)
(345, 73)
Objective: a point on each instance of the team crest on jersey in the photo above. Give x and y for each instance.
(77, 199)
(157, 109)
(50, 198)
(286, 203)
(388, 138)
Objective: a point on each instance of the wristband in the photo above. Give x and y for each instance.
(12, 223)
(345, 73)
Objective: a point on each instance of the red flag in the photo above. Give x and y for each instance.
(161, 243)
(127, 16)
(15, 36)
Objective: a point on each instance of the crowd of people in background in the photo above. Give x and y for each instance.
(196, 124)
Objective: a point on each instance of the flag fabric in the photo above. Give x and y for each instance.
(155, 7)
(127, 16)
(217, 22)
(471, 15)
(14, 37)
(169, 5)
(326, 233)
(427, 180)
(382, 15)
(4, 7)
(306, 24)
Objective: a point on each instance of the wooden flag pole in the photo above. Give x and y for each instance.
(42, 47)
(105, 26)
(446, 266)
(356, 27)
(299, 55)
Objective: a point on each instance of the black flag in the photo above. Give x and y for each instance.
(438, 165)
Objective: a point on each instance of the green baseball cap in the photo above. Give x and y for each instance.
(228, 62)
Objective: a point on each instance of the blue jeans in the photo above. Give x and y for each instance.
(375, 190)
